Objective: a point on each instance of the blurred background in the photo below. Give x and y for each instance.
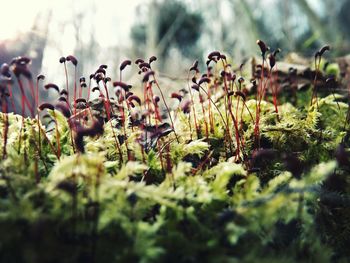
(176, 31)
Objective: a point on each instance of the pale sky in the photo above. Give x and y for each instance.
(108, 20)
(17, 16)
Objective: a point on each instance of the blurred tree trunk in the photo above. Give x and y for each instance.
(316, 23)
(165, 41)
(34, 45)
(246, 17)
(288, 40)
(251, 20)
(152, 30)
(335, 25)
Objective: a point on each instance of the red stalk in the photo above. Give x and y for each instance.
(6, 125)
(75, 88)
(12, 99)
(167, 108)
(193, 107)
(203, 111)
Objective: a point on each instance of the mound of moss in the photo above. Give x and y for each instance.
(228, 174)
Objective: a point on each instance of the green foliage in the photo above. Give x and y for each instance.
(172, 19)
(186, 197)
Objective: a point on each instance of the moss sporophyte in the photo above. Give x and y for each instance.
(239, 164)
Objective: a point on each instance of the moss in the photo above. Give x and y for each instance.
(260, 185)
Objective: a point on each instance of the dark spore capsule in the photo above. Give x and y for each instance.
(175, 95)
(204, 80)
(213, 55)
(151, 59)
(72, 59)
(46, 105)
(64, 109)
(262, 46)
(194, 66)
(138, 61)
(40, 77)
(124, 64)
(147, 75)
(52, 86)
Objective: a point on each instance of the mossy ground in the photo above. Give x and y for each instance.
(141, 193)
